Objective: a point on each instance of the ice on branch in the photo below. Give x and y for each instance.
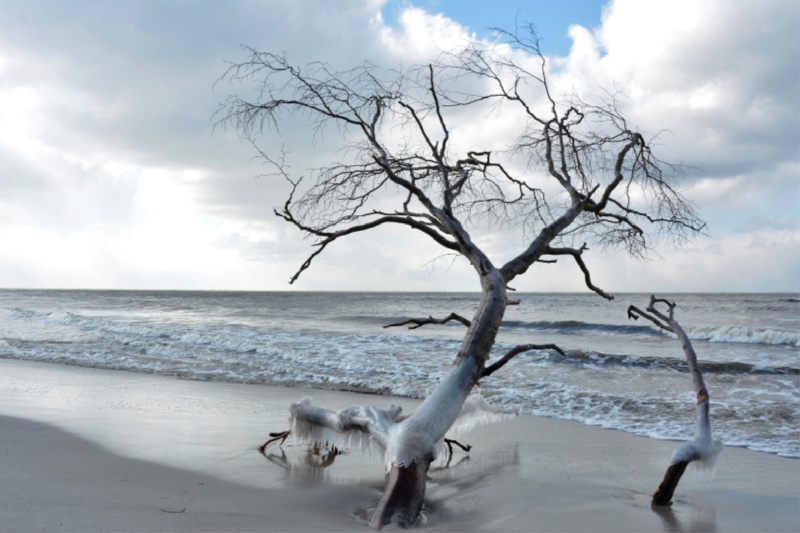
(702, 450)
(364, 427)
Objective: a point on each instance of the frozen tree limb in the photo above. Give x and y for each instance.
(702, 449)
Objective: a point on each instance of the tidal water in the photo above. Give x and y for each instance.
(617, 373)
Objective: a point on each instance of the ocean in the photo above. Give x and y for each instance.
(617, 373)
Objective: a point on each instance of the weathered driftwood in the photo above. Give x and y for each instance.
(702, 449)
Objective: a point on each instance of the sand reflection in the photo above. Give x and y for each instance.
(307, 466)
(452, 479)
(683, 517)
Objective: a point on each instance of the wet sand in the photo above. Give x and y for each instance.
(99, 450)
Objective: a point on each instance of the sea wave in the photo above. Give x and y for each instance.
(674, 365)
(590, 386)
(576, 327)
(566, 327)
(16, 312)
(741, 334)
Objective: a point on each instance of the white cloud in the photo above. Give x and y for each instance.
(422, 36)
(110, 177)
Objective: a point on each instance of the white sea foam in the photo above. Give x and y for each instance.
(742, 334)
(752, 375)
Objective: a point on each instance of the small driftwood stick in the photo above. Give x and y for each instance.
(275, 436)
(450, 442)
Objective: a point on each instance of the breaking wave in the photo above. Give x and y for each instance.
(644, 362)
(578, 327)
(741, 334)
(634, 379)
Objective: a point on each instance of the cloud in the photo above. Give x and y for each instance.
(110, 175)
(721, 76)
(769, 224)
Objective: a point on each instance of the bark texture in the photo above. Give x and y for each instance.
(663, 495)
(403, 496)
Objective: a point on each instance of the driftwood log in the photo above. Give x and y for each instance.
(702, 448)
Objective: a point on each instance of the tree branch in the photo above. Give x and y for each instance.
(488, 371)
(275, 436)
(330, 237)
(576, 254)
(634, 313)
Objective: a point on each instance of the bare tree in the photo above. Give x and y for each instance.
(702, 448)
(588, 177)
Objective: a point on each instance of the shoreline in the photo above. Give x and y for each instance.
(300, 386)
(70, 433)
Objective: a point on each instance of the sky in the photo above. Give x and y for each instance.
(112, 175)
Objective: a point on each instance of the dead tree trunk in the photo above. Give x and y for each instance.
(414, 440)
(601, 179)
(702, 448)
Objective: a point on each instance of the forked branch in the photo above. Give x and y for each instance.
(275, 437)
(576, 254)
(491, 369)
(450, 442)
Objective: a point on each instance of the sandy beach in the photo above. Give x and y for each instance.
(100, 450)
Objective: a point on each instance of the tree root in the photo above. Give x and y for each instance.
(450, 442)
(275, 436)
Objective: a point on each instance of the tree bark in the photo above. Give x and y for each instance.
(403, 496)
(412, 442)
(663, 495)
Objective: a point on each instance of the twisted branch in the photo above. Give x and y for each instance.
(488, 371)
